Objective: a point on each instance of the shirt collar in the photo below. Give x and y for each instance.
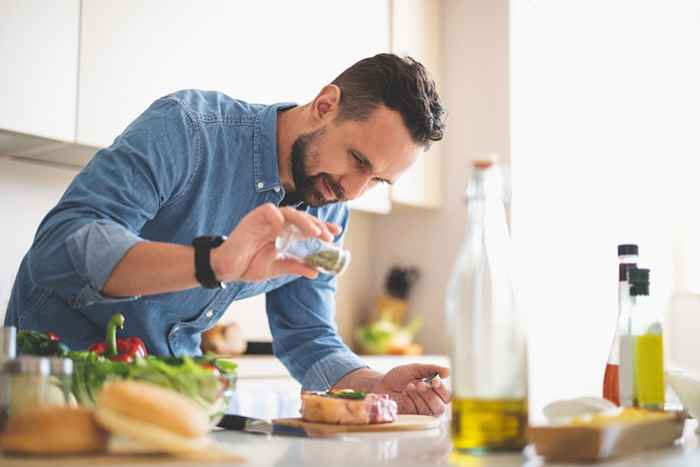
(265, 167)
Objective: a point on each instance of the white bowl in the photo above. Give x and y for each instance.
(687, 388)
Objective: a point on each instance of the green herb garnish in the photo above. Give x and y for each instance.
(347, 394)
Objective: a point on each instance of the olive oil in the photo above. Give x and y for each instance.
(485, 425)
(649, 366)
(488, 344)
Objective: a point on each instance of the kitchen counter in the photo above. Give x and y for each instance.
(425, 448)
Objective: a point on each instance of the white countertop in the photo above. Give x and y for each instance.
(425, 448)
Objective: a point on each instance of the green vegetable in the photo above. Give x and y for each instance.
(203, 379)
(41, 343)
(347, 394)
(379, 337)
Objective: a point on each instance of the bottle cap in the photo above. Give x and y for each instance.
(627, 249)
(485, 160)
(639, 281)
(623, 268)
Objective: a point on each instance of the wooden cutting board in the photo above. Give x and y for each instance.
(593, 444)
(404, 423)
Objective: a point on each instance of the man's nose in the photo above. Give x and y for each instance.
(354, 185)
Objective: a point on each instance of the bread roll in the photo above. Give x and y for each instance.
(158, 420)
(154, 405)
(54, 430)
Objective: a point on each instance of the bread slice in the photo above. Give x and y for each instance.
(347, 407)
(54, 430)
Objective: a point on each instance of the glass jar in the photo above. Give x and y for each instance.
(32, 384)
(62, 379)
(8, 349)
(322, 256)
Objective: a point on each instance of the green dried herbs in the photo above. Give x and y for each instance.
(347, 394)
(328, 260)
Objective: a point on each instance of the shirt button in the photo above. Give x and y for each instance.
(261, 184)
(277, 189)
(210, 313)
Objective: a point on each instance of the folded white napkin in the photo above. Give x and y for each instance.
(562, 411)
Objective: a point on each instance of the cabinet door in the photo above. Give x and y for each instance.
(39, 56)
(134, 52)
(416, 32)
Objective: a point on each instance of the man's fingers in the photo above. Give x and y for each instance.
(431, 399)
(421, 406)
(422, 370)
(306, 223)
(439, 388)
(335, 229)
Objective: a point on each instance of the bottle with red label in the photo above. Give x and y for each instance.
(628, 255)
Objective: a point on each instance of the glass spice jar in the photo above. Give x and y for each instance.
(322, 256)
(38, 382)
(8, 350)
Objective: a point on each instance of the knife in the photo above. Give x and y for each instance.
(264, 427)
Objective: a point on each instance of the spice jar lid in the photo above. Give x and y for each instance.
(61, 366)
(28, 365)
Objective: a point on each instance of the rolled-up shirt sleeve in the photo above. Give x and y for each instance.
(99, 218)
(304, 333)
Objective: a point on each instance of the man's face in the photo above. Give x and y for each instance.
(340, 161)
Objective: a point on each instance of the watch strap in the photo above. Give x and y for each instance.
(202, 261)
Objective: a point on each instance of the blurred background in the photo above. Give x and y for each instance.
(594, 104)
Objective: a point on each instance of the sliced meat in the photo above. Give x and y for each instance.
(355, 409)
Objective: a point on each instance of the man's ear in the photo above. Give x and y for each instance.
(326, 104)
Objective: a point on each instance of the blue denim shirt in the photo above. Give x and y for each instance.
(193, 163)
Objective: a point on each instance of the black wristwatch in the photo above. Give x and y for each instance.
(202, 265)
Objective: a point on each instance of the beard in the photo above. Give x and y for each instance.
(302, 158)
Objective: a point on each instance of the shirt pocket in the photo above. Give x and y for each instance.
(184, 336)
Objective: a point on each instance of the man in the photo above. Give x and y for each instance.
(141, 230)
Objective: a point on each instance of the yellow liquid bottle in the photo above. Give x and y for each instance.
(487, 338)
(489, 424)
(649, 371)
(649, 387)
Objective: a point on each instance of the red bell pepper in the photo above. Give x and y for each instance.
(119, 350)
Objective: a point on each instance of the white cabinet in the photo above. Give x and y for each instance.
(134, 52)
(416, 32)
(39, 56)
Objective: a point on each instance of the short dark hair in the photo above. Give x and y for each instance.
(401, 84)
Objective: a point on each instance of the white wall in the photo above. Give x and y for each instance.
(27, 191)
(474, 87)
(605, 103)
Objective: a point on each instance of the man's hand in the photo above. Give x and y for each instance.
(249, 253)
(404, 384)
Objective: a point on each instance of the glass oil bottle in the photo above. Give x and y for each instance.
(487, 334)
(628, 255)
(648, 344)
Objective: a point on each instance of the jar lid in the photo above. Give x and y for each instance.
(61, 366)
(627, 249)
(28, 365)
